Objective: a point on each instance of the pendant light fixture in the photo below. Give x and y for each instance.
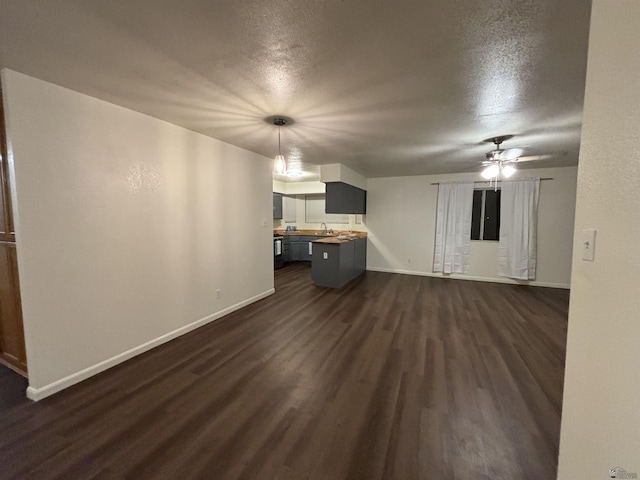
(279, 164)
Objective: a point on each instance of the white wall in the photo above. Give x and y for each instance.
(125, 228)
(401, 220)
(298, 188)
(601, 413)
(337, 172)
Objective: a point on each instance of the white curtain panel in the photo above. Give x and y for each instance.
(453, 227)
(518, 229)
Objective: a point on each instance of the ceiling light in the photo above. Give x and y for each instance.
(491, 171)
(507, 171)
(497, 169)
(498, 161)
(279, 163)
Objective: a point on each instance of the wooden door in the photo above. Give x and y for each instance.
(12, 349)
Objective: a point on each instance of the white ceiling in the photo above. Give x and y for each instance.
(387, 88)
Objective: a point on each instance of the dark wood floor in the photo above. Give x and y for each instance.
(391, 377)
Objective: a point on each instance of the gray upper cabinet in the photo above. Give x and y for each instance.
(359, 201)
(344, 198)
(277, 206)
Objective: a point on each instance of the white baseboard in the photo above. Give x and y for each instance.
(43, 392)
(457, 276)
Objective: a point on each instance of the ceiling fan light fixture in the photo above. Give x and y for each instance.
(507, 171)
(491, 171)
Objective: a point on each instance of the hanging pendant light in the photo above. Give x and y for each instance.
(279, 163)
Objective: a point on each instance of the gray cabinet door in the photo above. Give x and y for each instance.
(294, 249)
(286, 249)
(299, 247)
(360, 201)
(338, 197)
(341, 197)
(277, 206)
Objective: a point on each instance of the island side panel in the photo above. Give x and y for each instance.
(347, 263)
(325, 272)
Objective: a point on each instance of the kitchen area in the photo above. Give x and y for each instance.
(326, 229)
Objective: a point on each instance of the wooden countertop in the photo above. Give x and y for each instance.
(336, 240)
(318, 233)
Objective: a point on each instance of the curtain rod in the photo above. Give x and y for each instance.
(488, 181)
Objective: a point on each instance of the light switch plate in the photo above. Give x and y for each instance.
(588, 244)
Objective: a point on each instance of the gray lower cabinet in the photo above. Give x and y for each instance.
(294, 249)
(299, 247)
(336, 264)
(306, 248)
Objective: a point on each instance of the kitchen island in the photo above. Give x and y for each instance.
(338, 260)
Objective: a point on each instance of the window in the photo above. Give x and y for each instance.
(485, 218)
(289, 209)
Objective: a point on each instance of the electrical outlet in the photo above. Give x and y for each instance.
(325, 255)
(218, 293)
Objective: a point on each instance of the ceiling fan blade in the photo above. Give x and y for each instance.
(532, 158)
(511, 153)
(544, 156)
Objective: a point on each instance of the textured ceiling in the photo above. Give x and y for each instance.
(387, 88)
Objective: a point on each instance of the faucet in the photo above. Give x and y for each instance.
(324, 229)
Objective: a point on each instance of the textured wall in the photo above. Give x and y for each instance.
(126, 228)
(601, 414)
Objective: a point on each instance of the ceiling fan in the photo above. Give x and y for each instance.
(499, 161)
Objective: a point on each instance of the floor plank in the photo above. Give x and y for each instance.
(391, 377)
